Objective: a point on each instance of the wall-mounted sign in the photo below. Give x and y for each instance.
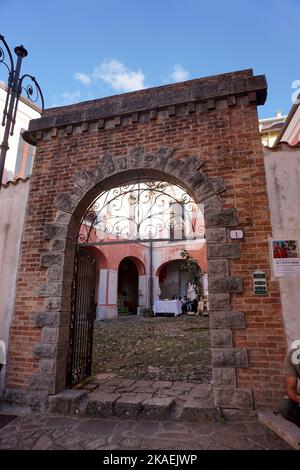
(236, 234)
(260, 283)
(285, 256)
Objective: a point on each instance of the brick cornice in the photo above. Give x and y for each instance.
(207, 90)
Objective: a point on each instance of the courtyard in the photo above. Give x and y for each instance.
(155, 348)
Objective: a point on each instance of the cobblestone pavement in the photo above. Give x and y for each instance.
(156, 348)
(43, 432)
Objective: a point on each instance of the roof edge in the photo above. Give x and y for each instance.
(215, 88)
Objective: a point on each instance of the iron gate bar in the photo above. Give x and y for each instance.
(82, 317)
(141, 240)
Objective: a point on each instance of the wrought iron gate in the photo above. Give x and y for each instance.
(82, 317)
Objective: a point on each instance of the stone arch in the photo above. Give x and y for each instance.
(100, 257)
(165, 263)
(187, 173)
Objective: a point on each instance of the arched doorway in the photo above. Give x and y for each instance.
(128, 281)
(173, 281)
(133, 226)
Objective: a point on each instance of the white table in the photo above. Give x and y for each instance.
(167, 306)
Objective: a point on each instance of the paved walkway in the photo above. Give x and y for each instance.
(43, 432)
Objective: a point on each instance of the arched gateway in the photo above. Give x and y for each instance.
(201, 135)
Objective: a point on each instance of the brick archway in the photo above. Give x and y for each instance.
(62, 234)
(173, 133)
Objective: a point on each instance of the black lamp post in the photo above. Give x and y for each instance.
(16, 84)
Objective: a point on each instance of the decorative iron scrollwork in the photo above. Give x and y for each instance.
(142, 210)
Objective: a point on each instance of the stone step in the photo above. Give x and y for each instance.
(288, 431)
(102, 404)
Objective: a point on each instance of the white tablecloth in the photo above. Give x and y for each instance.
(167, 306)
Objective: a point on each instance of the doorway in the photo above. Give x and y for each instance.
(128, 279)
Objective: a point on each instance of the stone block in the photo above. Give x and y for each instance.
(230, 357)
(286, 430)
(98, 174)
(225, 218)
(135, 156)
(212, 204)
(62, 217)
(35, 400)
(49, 289)
(58, 245)
(238, 398)
(227, 319)
(223, 250)
(55, 231)
(52, 259)
(162, 156)
(122, 163)
(201, 391)
(41, 319)
(64, 202)
(68, 402)
(219, 301)
(101, 404)
(108, 164)
(128, 407)
(43, 381)
(218, 185)
(157, 408)
(147, 160)
(77, 193)
(221, 338)
(199, 411)
(50, 334)
(215, 234)
(173, 165)
(189, 166)
(224, 376)
(224, 284)
(57, 304)
(84, 180)
(55, 273)
(217, 267)
(45, 350)
(47, 366)
(195, 180)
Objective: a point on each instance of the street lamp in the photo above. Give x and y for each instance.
(16, 84)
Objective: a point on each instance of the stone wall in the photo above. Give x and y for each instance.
(202, 135)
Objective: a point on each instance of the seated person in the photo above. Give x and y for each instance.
(184, 304)
(290, 405)
(194, 305)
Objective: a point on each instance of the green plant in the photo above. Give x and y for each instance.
(191, 266)
(148, 313)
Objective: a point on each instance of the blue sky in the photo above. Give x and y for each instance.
(85, 50)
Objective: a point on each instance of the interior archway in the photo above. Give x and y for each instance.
(128, 282)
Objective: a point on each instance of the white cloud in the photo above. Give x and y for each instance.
(68, 97)
(118, 76)
(178, 73)
(83, 78)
